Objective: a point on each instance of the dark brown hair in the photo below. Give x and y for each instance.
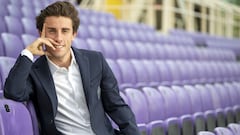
(59, 8)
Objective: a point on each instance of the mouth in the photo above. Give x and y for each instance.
(58, 46)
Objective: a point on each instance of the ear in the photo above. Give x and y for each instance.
(74, 34)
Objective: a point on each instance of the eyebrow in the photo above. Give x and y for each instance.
(50, 28)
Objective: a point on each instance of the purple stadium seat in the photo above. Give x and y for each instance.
(33, 115)
(80, 43)
(128, 73)
(138, 104)
(132, 50)
(185, 76)
(121, 49)
(226, 104)
(28, 39)
(124, 33)
(222, 131)
(1, 93)
(83, 32)
(105, 33)
(162, 54)
(142, 128)
(207, 106)
(235, 128)
(94, 45)
(14, 118)
(205, 133)
(156, 111)
(234, 97)
(6, 64)
(151, 68)
(3, 9)
(15, 11)
(26, 3)
(12, 26)
(2, 52)
(29, 26)
(94, 32)
(16, 3)
(174, 72)
(3, 26)
(116, 70)
(10, 47)
(141, 75)
(109, 49)
(184, 114)
(218, 104)
(156, 127)
(143, 51)
(196, 105)
(165, 76)
(115, 33)
(173, 126)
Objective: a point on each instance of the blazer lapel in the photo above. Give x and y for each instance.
(43, 72)
(83, 64)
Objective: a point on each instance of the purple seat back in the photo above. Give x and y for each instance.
(28, 39)
(132, 50)
(121, 49)
(6, 64)
(109, 49)
(116, 70)
(33, 115)
(170, 100)
(155, 103)
(205, 97)
(29, 26)
(80, 43)
(205, 133)
(12, 26)
(14, 118)
(138, 104)
(140, 69)
(195, 99)
(182, 100)
(10, 47)
(222, 131)
(128, 72)
(235, 128)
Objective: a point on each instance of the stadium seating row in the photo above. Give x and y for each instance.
(231, 129)
(123, 49)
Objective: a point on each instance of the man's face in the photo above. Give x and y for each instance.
(60, 30)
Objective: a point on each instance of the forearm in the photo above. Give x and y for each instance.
(17, 83)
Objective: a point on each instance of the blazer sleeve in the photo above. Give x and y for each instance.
(114, 105)
(18, 84)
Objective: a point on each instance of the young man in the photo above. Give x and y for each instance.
(72, 89)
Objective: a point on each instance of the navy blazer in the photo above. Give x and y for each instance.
(29, 80)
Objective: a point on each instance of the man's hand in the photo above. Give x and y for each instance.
(38, 46)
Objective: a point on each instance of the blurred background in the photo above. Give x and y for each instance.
(214, 17)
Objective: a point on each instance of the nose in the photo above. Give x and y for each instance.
(59, 37)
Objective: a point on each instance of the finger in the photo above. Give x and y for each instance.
(47, 42)
(43, 31)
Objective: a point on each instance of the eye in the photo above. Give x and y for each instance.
(65, 31)
(51, 31)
